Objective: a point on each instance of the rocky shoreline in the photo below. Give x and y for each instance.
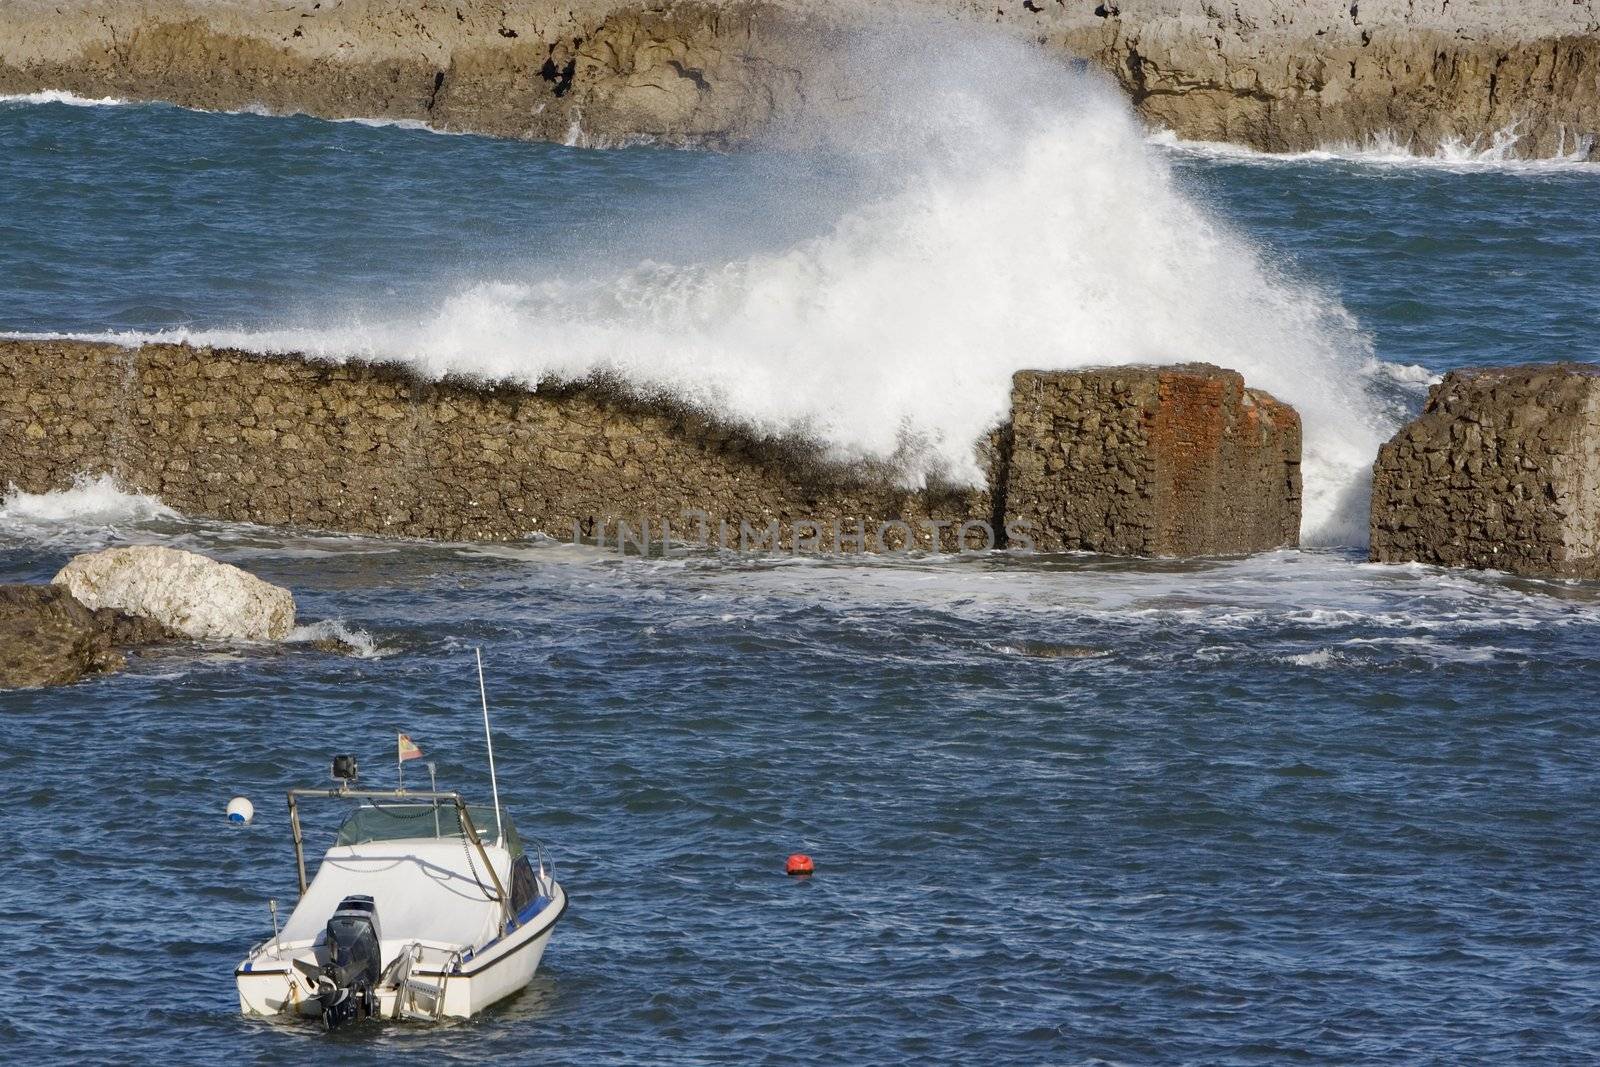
(1271, 76)
(52, 638)
(104, 604)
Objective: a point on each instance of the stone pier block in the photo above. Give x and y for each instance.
(1152, 461)
(1501, 470)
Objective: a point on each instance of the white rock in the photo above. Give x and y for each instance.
(186, 591)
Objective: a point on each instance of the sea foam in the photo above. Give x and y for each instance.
(92, 501)
(360, 643)
(59, 96)
(1496, 151)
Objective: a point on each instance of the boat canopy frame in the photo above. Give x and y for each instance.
(452, 797)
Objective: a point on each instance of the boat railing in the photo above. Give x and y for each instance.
(547, 866)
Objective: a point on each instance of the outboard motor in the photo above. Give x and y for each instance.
(345, 988)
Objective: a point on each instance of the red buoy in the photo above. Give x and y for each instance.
(800, 863)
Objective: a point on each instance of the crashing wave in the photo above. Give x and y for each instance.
(93, 500)
(59, 96)
(1017, 219)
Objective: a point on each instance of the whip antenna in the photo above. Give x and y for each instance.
(488, 738)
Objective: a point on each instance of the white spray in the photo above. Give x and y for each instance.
(1020, 220)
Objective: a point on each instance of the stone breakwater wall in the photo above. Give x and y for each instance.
(1501, 470)
(372, 449)
(1273, 74)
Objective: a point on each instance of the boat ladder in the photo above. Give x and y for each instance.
(415, 999)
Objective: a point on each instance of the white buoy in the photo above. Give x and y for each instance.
(240, 811)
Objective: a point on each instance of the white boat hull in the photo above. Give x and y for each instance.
(269, 983)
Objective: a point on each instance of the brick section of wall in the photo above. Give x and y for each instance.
(1152, 461)
(1132, 461)
(1501, 470)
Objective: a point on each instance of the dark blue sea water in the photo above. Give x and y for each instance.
(1293, 808)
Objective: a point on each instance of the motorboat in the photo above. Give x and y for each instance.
(425, 907)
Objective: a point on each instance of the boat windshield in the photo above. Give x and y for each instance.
(411, 821)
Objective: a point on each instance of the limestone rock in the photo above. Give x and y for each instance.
(1501, 470)
(194, 595)
(48, 637)
(1152, 461)
(1274, 74)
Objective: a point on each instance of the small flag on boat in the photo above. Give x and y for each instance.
(408, 748)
